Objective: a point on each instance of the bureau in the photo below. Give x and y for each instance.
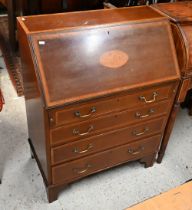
(99, 89)
(180, 16)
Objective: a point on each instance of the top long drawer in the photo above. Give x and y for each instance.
(95, 108)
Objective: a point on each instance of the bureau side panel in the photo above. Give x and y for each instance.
(180, 47)
(36, 116)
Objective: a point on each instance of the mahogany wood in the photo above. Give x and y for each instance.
(184, 87)
(180, 15)
(80, 19)
(78, 93)
(148, 160)
(100, 142)
(84, 166)
(30, 7)
(168, 131)
(178, 12)
(109, 105)
(34, 104)
(64, 135)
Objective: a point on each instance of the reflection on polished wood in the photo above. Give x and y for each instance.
(88, 108)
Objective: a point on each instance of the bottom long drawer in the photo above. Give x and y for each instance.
(79, 168)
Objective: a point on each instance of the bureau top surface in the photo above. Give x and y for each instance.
(178, 11)
(84, 63)
(87, 18)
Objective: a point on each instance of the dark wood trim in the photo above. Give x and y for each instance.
(34, 156)
(12, 23)
(54, 190)
(149, 160)
(167, 132)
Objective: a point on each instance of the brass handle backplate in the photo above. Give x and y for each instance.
(82, 171)
(78, 113)
(142, 98)
(83, 151)
(77, 132)
(140, 116)
(136, 133)
(135, 152)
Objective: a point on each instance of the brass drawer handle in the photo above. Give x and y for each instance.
(82, 171)
(139, 115)
(78, 114)
(77, 132)
(141, 133)
(142, 98)
(136, 152)
(83, 151)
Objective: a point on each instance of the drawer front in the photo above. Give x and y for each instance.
(105, 141)
(92, 109)
(100, 161)
(110, 122)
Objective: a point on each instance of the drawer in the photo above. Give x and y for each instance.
(95, 108)
(76, 169)
(106, 140)
(107, 123)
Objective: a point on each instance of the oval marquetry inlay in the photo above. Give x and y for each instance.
(114, 59)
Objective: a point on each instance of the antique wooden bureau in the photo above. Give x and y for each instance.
(99, 88)
(180, 16)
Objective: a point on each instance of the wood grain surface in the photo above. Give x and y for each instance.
(74, 103)
(179, 198)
